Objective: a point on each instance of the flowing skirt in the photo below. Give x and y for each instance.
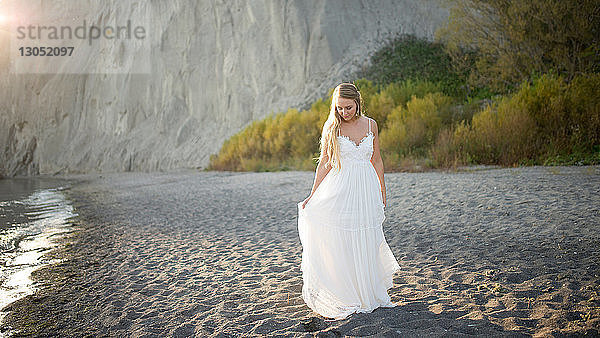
(347, 265)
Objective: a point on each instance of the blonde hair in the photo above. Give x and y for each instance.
(329, 143)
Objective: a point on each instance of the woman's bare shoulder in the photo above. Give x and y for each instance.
(367, 118)
(373, 123)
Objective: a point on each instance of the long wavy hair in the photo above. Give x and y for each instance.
(329, 142)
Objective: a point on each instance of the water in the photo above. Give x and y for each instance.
(34, 214)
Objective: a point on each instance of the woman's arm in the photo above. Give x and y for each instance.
(322, 170)
(377, 161)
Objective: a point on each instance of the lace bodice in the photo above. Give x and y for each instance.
(351, 152)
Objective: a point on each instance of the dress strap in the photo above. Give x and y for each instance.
(368, 131)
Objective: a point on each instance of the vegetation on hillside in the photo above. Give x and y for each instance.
(550, 121)
(507, 42)
(509, 85)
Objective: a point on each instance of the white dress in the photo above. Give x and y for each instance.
(347, 265)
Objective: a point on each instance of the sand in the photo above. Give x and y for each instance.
(493, 252)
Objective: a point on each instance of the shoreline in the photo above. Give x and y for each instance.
(203, 253)
(53, 283)
(34, 215)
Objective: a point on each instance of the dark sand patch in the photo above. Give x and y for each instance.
(503, 252)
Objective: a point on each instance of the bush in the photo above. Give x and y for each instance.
(291, 140)
(380, 104)
(448, 151)
(503, 134)
(412, 129)
(410, 58)
(548, 119)
(273, 143)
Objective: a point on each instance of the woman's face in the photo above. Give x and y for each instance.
(346, 108)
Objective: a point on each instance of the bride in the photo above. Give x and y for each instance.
(347, 265)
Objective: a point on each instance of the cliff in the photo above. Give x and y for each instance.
(211, 68)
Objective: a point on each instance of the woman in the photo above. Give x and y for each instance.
(347, 266)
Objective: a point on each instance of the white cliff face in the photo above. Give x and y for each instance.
(215, 66)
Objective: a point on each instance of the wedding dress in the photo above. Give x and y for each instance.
(347, 265)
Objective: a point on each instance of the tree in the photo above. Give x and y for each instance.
(504, 42)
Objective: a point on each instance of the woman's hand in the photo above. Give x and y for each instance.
(384, 200)
(305, 201)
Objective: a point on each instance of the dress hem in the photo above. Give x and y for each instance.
(387, 281)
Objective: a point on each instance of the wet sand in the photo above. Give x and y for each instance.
(500, 252)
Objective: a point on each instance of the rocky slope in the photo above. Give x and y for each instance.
(212, 67)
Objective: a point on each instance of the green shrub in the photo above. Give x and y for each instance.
(380, 104)
(274, 143)
(411, 129)
(541, 123)
(410, 58)
(548, 121)
(449, 149)
(291, 140)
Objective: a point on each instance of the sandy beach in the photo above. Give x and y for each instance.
(491, 252)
